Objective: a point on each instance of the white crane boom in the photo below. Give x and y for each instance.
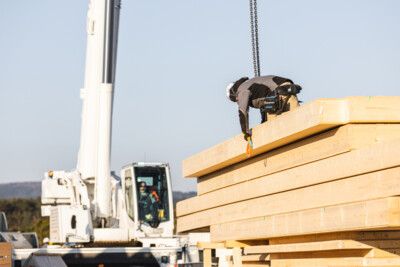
(97, 95)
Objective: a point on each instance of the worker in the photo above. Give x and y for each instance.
(148, 205)
(271, 94)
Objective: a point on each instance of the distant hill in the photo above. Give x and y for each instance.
(20, 190)
(178, 196)
(34, 190)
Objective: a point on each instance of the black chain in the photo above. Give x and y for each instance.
(256, 30)
(254, 37)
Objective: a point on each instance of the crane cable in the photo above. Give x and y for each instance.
(254, 37)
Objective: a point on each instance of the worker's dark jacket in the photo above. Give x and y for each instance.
(252, 93)
(148, 205)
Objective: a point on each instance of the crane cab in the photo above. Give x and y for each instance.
(147, 207)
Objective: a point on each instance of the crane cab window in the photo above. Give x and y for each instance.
(152, 192)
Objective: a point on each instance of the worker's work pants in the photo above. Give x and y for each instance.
(292, 104)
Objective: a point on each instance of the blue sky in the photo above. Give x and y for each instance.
(175, 59)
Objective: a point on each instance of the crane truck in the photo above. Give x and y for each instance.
(93, 211)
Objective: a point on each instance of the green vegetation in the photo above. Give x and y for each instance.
(24, 215)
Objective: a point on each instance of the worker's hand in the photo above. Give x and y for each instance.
(247, 135)
(148, 216)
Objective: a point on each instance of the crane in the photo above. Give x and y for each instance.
(91, 205)
(96, 216)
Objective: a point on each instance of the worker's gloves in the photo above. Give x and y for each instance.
(247, 135)
(148, 216)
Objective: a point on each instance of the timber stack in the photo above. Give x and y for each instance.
(5, 254)
(322, 188)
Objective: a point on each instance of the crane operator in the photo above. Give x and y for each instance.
(148, 205)
(271, 94)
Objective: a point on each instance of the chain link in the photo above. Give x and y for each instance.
(256, 33)
(254, 37)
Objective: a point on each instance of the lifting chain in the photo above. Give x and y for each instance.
(254, 37)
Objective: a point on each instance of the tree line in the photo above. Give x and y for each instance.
(24, 215)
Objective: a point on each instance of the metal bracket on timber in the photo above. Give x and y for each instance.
(311, 118)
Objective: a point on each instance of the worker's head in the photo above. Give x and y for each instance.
(142, 187)
(231, 90)
(229, 93)
(46, 240)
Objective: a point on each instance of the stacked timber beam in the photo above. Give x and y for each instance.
(5, 254)
(319, 178)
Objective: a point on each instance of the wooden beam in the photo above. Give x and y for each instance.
(244, 243)
(252, 257)
(383, 244)
(5, 254)
(307, 247)
(374, 185)
(5, 249)
(237, 257)
(334, 262)
(255, 264)
(371, 253)
(368, 159)
(5, 262)
(248, 263)
(379, 214)
(324, 145)
(256, 257)
(322, 254)
(358, 236)
(207, 259)
(212, 245)
(384, 253)
(309, 119)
